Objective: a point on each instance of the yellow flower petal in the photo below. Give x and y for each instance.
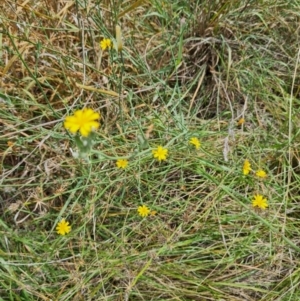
(105, 43)
(160, 153)
(122, 163)
(195, 141)
(259, 201)
(63, 227)
(261, 174)
(143, 211)
(246, 167)
(83, 121)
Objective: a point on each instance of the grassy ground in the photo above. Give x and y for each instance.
(187, 69)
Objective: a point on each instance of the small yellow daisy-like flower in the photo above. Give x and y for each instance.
(83, 121)
(195, 141)
(160, 153)
(63, 227)
(122, 163)
(143, 211)
(105, 43)
(261, 174)
(241, 121)
(259, 201)
(246, 167)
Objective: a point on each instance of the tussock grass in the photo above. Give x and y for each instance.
(188, 69)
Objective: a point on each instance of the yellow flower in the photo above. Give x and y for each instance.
(259, 201)
(84, 120)
(241, 121)
(261, 174)
(160, 153)
(63, 227)
(195, 141)
(246, 167)
(105, 43)
(122, 163)
(143, 211)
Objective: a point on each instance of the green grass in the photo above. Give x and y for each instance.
(187, 69)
